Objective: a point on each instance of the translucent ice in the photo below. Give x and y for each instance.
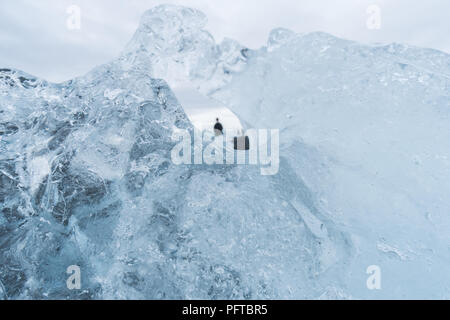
(87, 179)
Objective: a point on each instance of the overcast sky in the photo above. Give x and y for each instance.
(34, 36)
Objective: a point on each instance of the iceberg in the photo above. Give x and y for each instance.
(87, 179)
(366, 128)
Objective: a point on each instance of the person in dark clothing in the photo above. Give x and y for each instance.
(218, 128)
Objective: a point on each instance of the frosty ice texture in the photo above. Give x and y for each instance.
(86, 177)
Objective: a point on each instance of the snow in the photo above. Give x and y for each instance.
(202, 110)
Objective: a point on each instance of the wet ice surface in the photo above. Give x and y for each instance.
(86, 175)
